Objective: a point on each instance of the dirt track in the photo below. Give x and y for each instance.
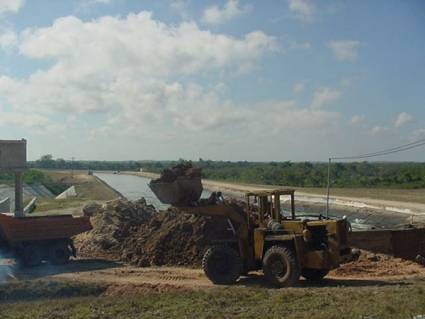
(121, 278)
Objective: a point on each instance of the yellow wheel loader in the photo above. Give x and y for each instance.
(261, 236)
(284, 247)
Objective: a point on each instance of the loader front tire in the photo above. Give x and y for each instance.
(280, 267)
(222, 265)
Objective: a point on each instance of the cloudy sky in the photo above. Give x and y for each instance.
(233, 80)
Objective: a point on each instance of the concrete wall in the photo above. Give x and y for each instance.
(406, 244)
(5, 205)
(30, 191)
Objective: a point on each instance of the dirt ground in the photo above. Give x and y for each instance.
(125, 279)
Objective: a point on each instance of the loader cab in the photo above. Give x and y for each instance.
(266, 205)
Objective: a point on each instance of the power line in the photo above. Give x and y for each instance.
(388, 151)
(397, 149)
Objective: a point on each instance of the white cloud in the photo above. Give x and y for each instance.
(141, 45)
(19, 119)
(125, 70)
(12, 6)
(418, 134)
(324, 96)
(8, 39)
(378, 130)
(231, 9)
(298, 88)
(346, 50)
(403, 119)
(304, 10)
(130, 84)
(195, 112)
(358, 119)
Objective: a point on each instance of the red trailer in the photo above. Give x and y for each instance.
(32, 240)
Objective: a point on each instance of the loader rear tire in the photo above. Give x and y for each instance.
(280, 267)
(314, 274)
(222, 265)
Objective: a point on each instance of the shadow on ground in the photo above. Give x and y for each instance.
(46, 269)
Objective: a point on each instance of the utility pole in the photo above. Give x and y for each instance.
(19, 186)
(328, 188)
(72, 167)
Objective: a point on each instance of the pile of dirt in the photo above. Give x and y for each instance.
(135, 232)
(184, 169)
(378, 265)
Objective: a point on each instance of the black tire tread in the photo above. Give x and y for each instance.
(222, 279)
(293, 278)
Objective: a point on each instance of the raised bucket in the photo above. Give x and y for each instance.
(183, 191)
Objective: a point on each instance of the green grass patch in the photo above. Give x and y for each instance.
(392, 301)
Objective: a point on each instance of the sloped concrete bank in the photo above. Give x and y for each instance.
(110, 187)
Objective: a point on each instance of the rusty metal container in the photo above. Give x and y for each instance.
(404, 243)
(14, 230)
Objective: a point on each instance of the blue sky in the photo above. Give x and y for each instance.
(232, 80)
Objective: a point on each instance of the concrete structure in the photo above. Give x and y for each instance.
(5, 205)
(13, 157)
(70, 192)
(29, 191)
(31, 206)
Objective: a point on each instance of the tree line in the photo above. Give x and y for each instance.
(297, 174)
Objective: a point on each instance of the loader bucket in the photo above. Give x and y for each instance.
(184, 190)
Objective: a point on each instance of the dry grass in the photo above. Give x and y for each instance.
(401, 195)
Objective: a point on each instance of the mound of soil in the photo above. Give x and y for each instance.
(378, 265)
(135, 232)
